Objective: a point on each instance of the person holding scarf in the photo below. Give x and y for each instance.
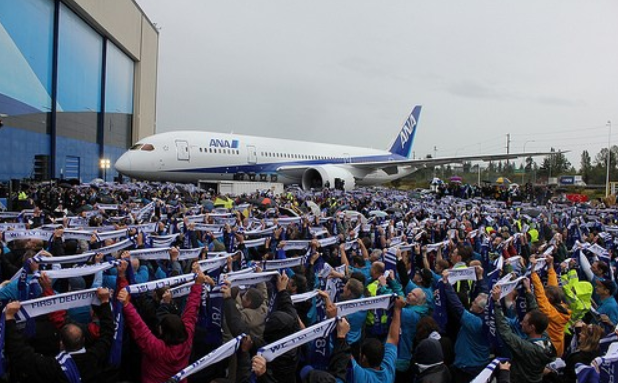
(472, 347)
(550, 301)
(163, 357)
(531, 355)
(76, 363)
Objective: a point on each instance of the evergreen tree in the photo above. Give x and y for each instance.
(555, 164)
(586, 166)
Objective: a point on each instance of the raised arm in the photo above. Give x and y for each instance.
(189, 316)
(585, 266)
(393, 331)
(22, 355)
(552, 278)
(102, 346)
(454, 305)
(344, 256)
(505, 331)
(283, 301)
(147, 342)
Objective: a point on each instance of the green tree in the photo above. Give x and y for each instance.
(554, 164)
(586, 166)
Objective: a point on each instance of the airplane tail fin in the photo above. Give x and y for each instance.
(403, 142)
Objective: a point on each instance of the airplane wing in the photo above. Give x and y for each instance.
(297, 170)
(430, 162)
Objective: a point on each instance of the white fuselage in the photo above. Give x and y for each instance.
(187, 156)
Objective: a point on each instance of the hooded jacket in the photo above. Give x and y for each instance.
(33, 367)
(159, 360)
(557, 319)
(281, 322)
(529, 356)
(578, 296)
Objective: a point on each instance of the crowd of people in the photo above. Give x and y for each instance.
(170, 283)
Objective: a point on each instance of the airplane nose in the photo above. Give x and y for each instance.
(123, 164)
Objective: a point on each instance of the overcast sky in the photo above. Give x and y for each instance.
(351, 71)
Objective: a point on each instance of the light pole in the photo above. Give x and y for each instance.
(478, 178)
(609, 151)
(523, 175)
(435, 153)
(105, 164)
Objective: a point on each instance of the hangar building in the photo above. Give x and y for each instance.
(77, 86)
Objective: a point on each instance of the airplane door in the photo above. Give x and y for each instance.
(182, 150)
(251, 154)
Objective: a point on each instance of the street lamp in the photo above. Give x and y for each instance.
(105, 164)
(523, 175)
(478, 178)
(609, 146)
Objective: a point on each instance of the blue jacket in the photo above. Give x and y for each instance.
(410, 315)
(472, 344)
(609, 307)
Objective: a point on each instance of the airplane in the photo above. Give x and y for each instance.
(190, 156)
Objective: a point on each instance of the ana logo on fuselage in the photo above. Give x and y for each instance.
(217, 143)
(406, 132)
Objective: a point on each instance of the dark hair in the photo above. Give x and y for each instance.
(358, 260)
(359, 277)
(255, 298)
(425, 326)
(539, 320)
(465, 252)
(356, 288)
(72, 337)
(373, 350)
(602, 266)
(300, 281)
(367, 242)
(70, 247)
(173, 331)
(427, 277)
(555, 295)
(160, 292)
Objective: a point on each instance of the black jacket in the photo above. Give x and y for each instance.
(436, 374)
(33, 367)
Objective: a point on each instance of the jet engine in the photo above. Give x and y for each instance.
(327, 176)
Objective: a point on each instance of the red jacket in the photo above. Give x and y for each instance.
(160, 361)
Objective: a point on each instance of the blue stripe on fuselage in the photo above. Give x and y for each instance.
(272, 167)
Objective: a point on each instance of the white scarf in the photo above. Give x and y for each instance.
(250, 278)
(145, 287)
(41, 306)
(226, 350)
(346, 308)
(321, 330)
(461, 274)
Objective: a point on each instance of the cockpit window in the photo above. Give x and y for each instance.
(136, 147)
(148, 147)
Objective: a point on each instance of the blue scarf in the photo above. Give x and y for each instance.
(115, 355)
(28, 290)
(521, 305)
(608, 370)
(439, 314)
(2, 331)
(485, 255)
(320, 348)
(211, 312)
(489, 325)
(69, 367)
